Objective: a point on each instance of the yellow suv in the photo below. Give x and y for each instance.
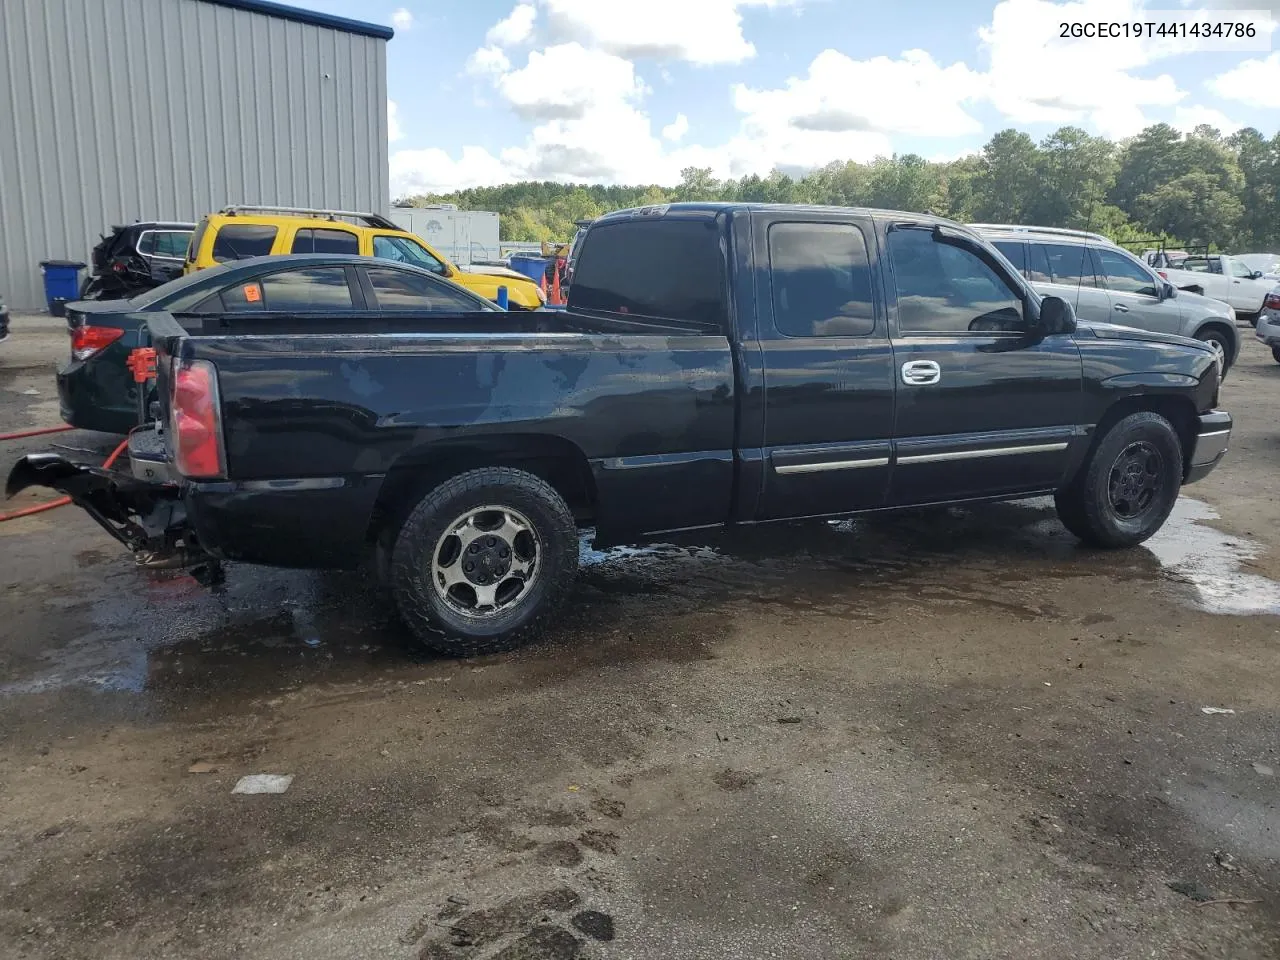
(240, 232)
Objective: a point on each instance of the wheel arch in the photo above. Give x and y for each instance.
(1225, 327)
(558, 461)
(1178, 409)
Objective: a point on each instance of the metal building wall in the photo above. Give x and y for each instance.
(126, 110)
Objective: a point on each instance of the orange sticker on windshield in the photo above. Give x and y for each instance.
(252, 292)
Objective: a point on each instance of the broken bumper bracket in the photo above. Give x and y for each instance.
(143, 515)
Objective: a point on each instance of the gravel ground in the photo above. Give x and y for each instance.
(946, 735)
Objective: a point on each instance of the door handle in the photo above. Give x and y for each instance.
(1121, 308)
(918, 373)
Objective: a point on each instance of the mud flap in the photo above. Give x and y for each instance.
(143, 515)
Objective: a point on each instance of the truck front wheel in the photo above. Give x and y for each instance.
(482, 560)
(1124, 493)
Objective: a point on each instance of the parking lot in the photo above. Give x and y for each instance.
(949, 734)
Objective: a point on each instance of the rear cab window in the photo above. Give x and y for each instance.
(820, 276)
(661, 268)
(240, 241)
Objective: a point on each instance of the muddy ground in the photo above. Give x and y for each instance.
(955, 735)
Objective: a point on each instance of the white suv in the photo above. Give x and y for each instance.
(1107, 284)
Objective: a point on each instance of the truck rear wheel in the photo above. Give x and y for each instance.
(1124, 493)
(482, 560)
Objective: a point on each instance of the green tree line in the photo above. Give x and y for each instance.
(1198, 188)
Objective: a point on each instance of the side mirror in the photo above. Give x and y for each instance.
(1256, 275)
(1168, 291)
(1057, 316)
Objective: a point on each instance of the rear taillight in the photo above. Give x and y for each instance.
(196, 421)
(88, 340)
(1163, 275)
(1271, 301)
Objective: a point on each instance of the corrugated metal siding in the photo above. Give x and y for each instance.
(130, 110)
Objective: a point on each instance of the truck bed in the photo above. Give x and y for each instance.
(647, 417)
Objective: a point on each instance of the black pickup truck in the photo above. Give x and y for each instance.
(717, 364)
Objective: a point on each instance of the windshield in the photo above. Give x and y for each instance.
(1266, 262)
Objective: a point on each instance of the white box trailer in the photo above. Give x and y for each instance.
(464, 236)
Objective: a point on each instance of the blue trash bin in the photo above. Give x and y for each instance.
(61, 283)
(532, 267)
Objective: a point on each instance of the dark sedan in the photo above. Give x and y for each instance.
(96, 388)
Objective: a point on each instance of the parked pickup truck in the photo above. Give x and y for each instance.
(1223, 278)
(717, 364)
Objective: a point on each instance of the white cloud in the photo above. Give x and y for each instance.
(699, 31)
(565, 81)
(1187, 119)
(840, 95)
(394, 130)
(676, 129)
(1036, 77)
(1255, 83)
(515, 29)
(488, 60)
(434, 171)
(402, 19)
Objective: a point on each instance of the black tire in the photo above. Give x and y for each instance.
(1087, 507)
(434, 619)
(1275, 354)
(1216, 336)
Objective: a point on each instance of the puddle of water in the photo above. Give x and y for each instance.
(1209, 560)
(152, 632)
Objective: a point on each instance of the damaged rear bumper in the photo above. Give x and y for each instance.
(147, 516)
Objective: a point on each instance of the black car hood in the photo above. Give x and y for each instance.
(1112, 331)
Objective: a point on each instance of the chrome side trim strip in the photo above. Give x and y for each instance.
(986, 452)
(1214, 433)
(832, 465)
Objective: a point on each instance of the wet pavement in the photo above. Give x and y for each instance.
(950, 733)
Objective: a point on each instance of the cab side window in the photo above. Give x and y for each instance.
(947, 289)
(1124, 276)
(326, 241)
(1069, 264)
(1241, 270)
(821, 280)
(404, 250)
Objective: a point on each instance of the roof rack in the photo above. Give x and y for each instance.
(1023, 228)
(369, 219)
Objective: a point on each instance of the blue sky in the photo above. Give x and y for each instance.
(594, 90)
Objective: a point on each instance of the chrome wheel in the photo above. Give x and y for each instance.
(486, 561)
(1136, 479)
